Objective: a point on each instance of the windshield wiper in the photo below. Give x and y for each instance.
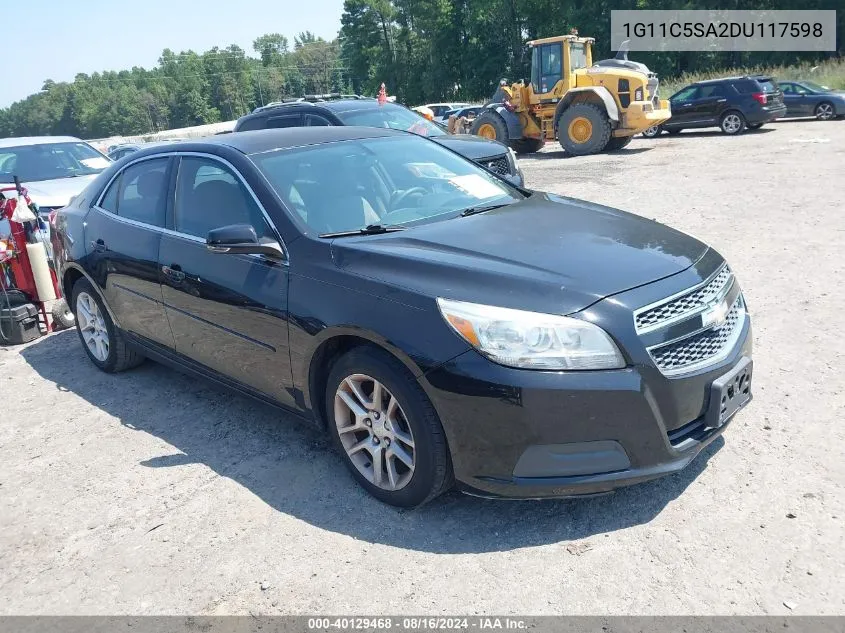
(370, 229)
(483, 208)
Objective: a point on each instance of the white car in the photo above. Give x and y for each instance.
(440, 109)
(53, 169)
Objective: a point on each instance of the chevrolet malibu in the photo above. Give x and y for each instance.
(444, 327)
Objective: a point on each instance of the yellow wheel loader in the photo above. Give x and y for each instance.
(588, 108)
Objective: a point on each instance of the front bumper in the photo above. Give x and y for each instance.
(641, 115)
(535, 434)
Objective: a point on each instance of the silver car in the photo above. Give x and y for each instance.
(52, 168)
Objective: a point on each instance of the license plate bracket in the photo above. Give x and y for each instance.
(730, 393)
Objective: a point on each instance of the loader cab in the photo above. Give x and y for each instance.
(554, 60)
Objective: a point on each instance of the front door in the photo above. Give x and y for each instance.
(228, 312)
(124, 234)
(797, 100)
(682, 104)
(709, 104)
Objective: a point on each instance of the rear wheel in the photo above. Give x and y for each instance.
(825, 111)
(652, 131)
(732, 123)
(527, 145)
(386, 428)
(491, 126)
(583, 129)
(617, 142)
(101, 340)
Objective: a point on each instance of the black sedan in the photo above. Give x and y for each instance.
(443, 326)
(806, 98)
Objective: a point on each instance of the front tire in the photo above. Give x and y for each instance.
(825, 111)
(583, 129)
(101, 340)
(491, 126)
(732, 123)
(386, 429)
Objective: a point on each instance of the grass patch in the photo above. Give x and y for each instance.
(830, 73)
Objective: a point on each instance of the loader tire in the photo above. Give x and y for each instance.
(527, 145)
(583, 129)
(491, 126)
(617, 142)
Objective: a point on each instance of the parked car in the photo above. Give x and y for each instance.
(495, 156)
(731, 104)
(806, 98)
(52, 168)
(440, 109)
(119, 151)
(440, 324)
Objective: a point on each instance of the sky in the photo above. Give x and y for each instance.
(56, 39)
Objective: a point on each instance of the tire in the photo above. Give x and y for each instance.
(413, 418)
(491, 126)
(825, 111)
(527, 145)
(732, 123)
(652, 132)
(754, 126)
(583, 129)
(617, 142)
(118, 355)
(62, 315)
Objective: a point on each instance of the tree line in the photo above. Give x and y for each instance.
(423, 50)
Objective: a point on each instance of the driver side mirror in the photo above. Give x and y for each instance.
(241, 238)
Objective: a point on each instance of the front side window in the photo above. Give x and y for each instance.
(398, 180)
(142, 192)
(816, 87)
(551, 66)
(50, 161)
(687, 94)
(209, 196)
(392, 116)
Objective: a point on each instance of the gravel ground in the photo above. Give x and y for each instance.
(151, 493)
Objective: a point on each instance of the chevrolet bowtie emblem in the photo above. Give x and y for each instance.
(715, 314)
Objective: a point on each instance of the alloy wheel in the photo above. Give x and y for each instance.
(374, 432)
(92, 326)
(824, 111)
(651, 131)
(732, 124)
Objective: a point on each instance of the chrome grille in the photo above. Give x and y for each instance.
(498, 165)
(703, 347)
(689, 303)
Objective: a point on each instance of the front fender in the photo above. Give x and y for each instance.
(600, 91)
(511, 120)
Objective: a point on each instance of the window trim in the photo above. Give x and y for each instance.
(116, 176)
(171, 190)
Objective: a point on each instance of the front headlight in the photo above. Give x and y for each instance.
(531, 340)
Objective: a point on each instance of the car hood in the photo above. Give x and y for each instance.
(473, 147)
(58, 192)
(546, 253)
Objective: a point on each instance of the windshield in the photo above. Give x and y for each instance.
(391, 116)
(348, 185)
(768, 85)
(815, 87)
(577, 56)
(49, 161)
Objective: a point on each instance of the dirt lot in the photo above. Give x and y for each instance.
(149, 492)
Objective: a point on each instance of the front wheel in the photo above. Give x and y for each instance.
(386, 428)
(583, 129)
(490, 125)
(732, 123)
(527, 145)
(824, 111)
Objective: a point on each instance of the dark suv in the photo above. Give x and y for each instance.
(362, 111)
(731, 104)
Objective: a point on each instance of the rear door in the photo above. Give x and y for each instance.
(228, 312)
(123, 235)
(709, 104)
(798, 100)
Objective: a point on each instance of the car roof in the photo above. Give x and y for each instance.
(707, 82)
(347, 105)
(257, 141)
(37, 140)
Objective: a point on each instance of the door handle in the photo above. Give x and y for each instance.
(99, 246)
(686, 105)
(721, 100)
(173, 272)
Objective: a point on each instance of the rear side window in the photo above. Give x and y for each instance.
(316, 119)
(109, 202)
(141, 192)
(769, 86)
(258, 123)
